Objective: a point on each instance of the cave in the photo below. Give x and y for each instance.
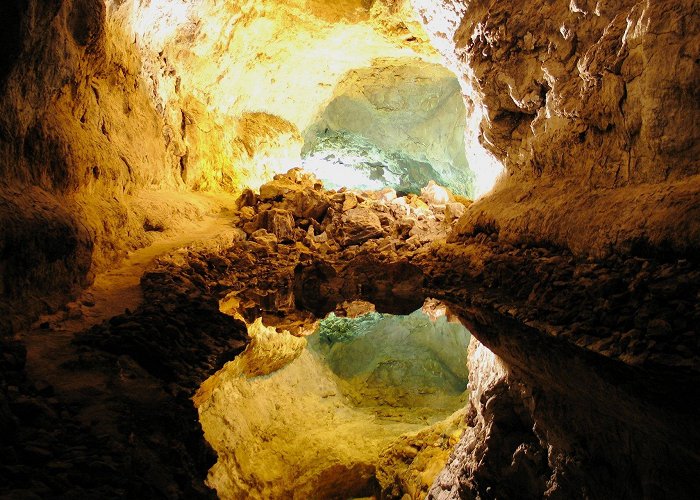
(353, 249)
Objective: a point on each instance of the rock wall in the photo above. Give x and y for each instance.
(71, 111)
(585, 98)
(531, 436)
(592, 108)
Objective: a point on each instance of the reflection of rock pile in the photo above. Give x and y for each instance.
(385, 361)
(327, 420)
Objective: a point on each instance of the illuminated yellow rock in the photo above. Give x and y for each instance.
(295, 419)
(238, 81)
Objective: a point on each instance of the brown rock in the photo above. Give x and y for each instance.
(454, 211)
(310, 204)
(357, 226)
(349, 202)
(267, 240)
(277, 189)
(433, 194)
(247, 199)
(278, 222)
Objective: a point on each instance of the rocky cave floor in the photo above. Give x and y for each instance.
(119, 419)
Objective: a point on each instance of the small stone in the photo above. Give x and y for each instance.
(658, 328)
(247, 213)
(433, 194)
(357, 226)
(349, 202)
(278, 222)
(247, 199)
(267, 240)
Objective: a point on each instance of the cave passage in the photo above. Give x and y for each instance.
(336, 413)
(398, 123)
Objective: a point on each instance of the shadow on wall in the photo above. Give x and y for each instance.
(11, 13)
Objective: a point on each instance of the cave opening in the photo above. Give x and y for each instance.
(357, 406)
(398, 123)
(355, 93)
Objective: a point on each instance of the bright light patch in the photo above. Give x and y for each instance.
(437, 195)
(340, 172)
(160, 19)
(486, 170)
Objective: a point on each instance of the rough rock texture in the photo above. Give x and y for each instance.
(359, 225)
(568, 330)
(80, 141)
(408, 467)
(592, 108)
(586, 104)
(498, 453)
(128, 427)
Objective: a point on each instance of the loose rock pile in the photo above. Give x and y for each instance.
(294, 207)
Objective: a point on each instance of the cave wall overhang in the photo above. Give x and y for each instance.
(591, 108)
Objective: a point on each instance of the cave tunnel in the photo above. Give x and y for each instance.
(349, 249)
(399, 124)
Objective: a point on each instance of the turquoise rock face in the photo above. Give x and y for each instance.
(398, 360)
(399, 124)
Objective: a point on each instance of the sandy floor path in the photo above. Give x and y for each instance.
(49, 344)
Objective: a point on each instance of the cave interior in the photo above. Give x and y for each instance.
(349, 249)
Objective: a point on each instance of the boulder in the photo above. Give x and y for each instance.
(416, 203)
(265, 239)
(454, 211)
(349, 201)
(433, 194)
(278, 189)
(309, 204)
(247, 213)
(303, 198)
(357, 226)
(278, 222)
(247, 199)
